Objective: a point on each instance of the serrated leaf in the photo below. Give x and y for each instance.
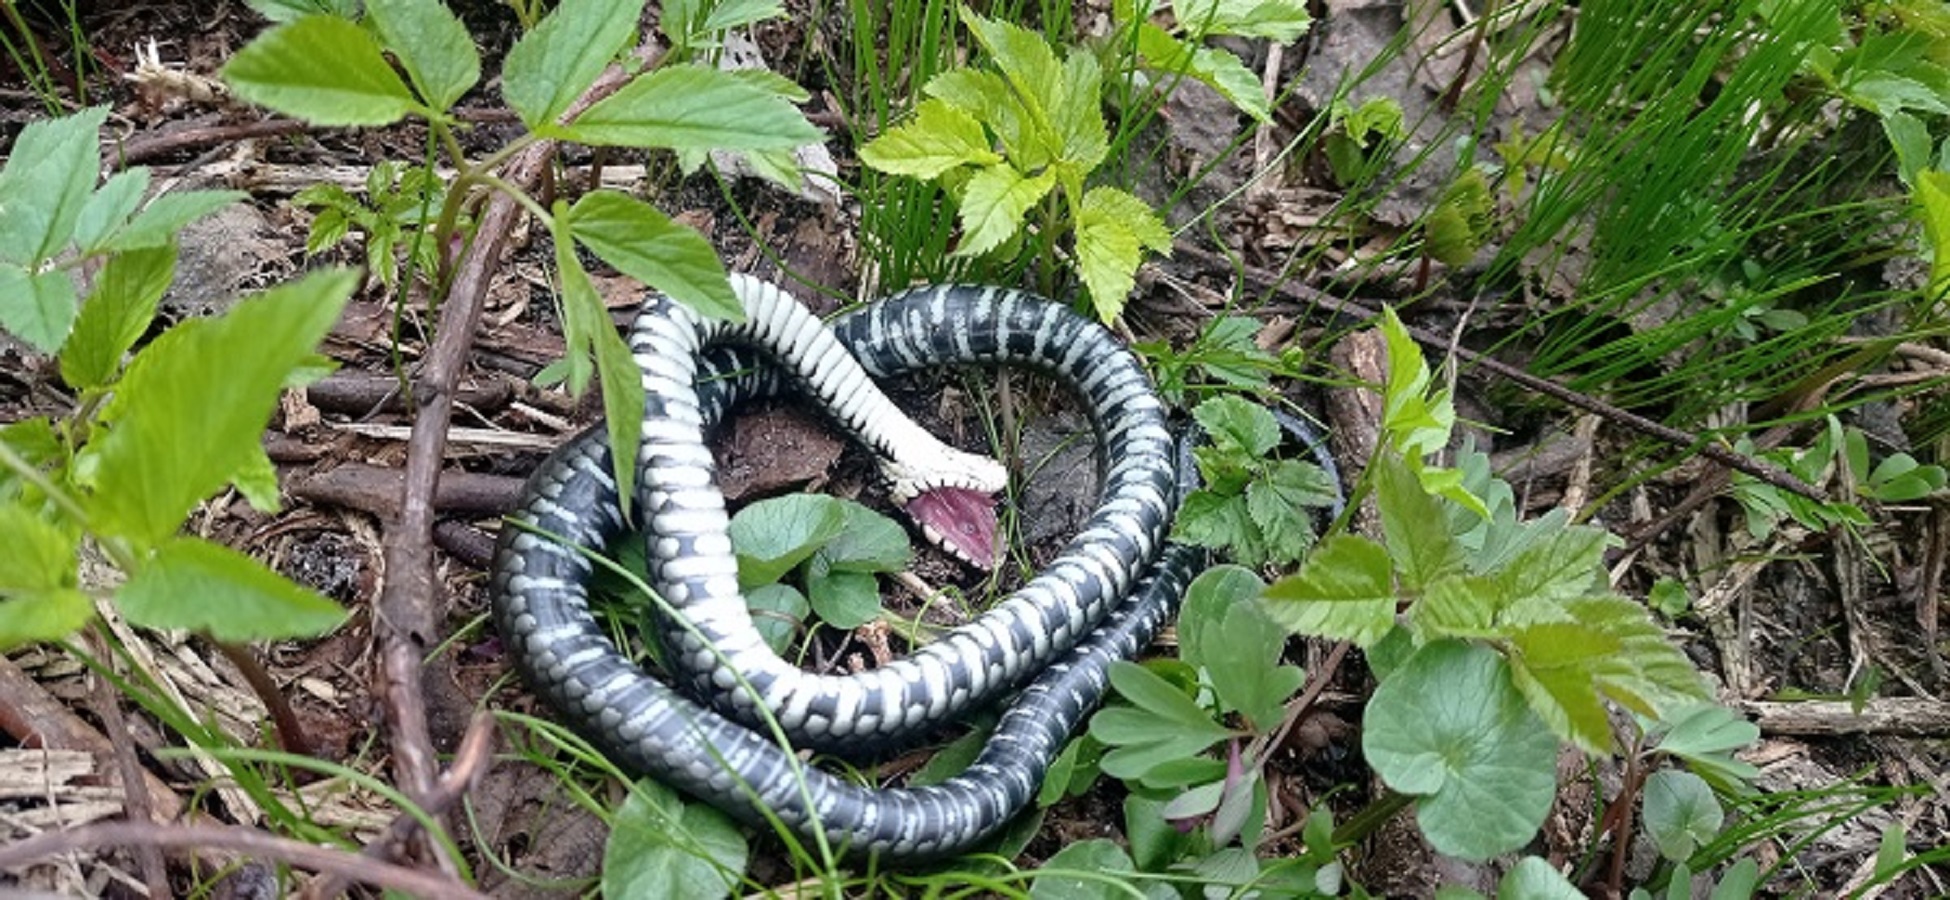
(193, 584)
(161, 221)
(1030, 67)
(1416, 423)
(1414, 526)
(1650, 674)
(552, 65)
(1108, 254)
(1558, 666)
(323, 69)
(987, 97)
(1237, 425)
(1279, 502)
(661, 846)
(939, 137)
(1562, 564)
(48, 180)
(117, 313)
(772, 536)
(1458, 606)
(37, 308)
(647, 245)
(40, 555)
(42, 615)
(109, 207)
(1164, 725)
(433, 45)
(1278, 20)
(1449, 726)
(692, 108)
(1344, 591)
(189, 413)
(1076, 111)
(1681, 813)
(1216, 69)
(993, 204)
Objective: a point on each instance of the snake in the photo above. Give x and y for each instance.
(706, 730)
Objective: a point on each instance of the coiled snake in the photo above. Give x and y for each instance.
(1101, 600)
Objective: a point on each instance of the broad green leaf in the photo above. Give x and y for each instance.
(646, 245)
(1414, 526)
(1225, 631)
(1884, 93)
(1535, 879)
(1025, 59)
(1109, 250)
(1449, 726)
(1096, 855)
(693, 108)
(40, 554)
(1219, 522)
(1681, 813)
(1077, 112)
(845, 600)
(1217, 69)
(987, 97)
(47, 182)
(1740, 881)
(1933, 196)
(867, 542)
(189, 413)
(1460, 223)
(161, 221)
(1562, 565)
(1164, 725)
(193, 584)
(1073, 772)
(1237, 425)
(661, 846)
(1154, 842)
(778, 611)
(552, 65)
(291, 10)
(1557, 666)
(34, 441)
(37, 308)
(1344, 591)
(772, 536)
(588, 333)
(1650, 675)
(1279, 504)
(323, 69)
(1458, 606)
(109, 207)
(939, 137)
(42, 615)
(117, 313)
(433, 45)
(1707, 729)
(728, 14)
(1277, 20)
(1416, 423)
(1891, 852)
(993, 204)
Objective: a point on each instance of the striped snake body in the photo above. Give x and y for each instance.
(1100, 600)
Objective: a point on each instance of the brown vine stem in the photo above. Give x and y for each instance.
(406, 625)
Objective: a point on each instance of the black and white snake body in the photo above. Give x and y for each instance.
(1101, 600)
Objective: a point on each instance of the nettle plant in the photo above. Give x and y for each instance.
(148, 438)
(1016, 142)
(332, 68)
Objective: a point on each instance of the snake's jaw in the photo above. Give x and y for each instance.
(959, 520)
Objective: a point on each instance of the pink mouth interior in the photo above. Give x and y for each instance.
(964, 519)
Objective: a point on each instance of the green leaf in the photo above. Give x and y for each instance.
(1028, 63)
(1278, 503)
(772, 536)
(939, 137)
(693, 108)
(193, 584)
(1740, 881)
(988, 98)
(323, 69)
(190, 411)
(1219, 522)
(1460, 223)
(1113, 230)
(1416, 423)
(1277, 20)
(1238, 426)
(1560, 566)
(1224, 630)
(433, 45)
(1414, 526)
(1557, 666)
(552, 65)
(45, 185)
(952, 759)
(778, 611)
(1154, 842)
(40, 555)
(1163, 725)
(1459, 606)
(729, 14)
(117, 313)
(646, 245)
(289, 10)
(1535, 879)
(1885, 93)
(993, 204)
(1681, 813)
(1649, 674)
(1449, 726)
(42, 615)
(37, 308)
(110, 207)
(1076, 111)
(845, 600)
(660, 846)
(587, 331)
(1344, 591)
(1096, 855)
(867, 542)
(1216, 69)
(159, 223)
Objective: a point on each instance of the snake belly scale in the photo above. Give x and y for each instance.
(1100, 600)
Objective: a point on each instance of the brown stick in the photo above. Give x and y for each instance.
(249, 842)
(1358, 310)
(135, 792)
(377, 490)
(1912, 716)
(405, 627)
(37, 719)
(149, 146)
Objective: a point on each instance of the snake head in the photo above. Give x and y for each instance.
(960, 521)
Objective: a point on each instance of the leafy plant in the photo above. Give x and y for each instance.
(1898, 478)
(150, 439)
(326, 68)
(836, 546)
(397, 200)
(1250, 503)
(1225, 354)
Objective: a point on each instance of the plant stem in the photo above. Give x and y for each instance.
(1371, 817)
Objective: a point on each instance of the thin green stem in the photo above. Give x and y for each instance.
(1371, 817)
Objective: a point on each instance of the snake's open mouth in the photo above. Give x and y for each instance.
(960, 520)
